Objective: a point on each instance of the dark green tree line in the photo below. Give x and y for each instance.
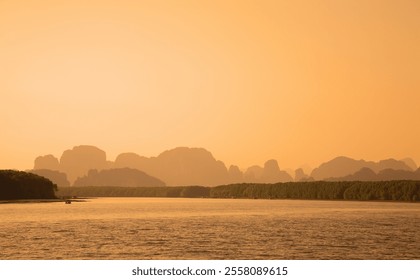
(349, 190)
(23, 185)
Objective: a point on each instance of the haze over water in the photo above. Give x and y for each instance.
(171, 228)
(297, 81)
(290, 85)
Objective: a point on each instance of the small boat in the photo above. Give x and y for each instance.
(68, 201)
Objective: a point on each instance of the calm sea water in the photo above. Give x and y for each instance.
(172, 228)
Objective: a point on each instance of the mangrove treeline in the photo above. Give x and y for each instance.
(23, 185)
(190, 191)
(384, 190)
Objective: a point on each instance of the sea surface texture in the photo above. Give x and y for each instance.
(174, 228)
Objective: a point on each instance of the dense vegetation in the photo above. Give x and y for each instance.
(191, 191)
(389, 190)
(23, 185)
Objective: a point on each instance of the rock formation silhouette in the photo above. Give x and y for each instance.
(58, 178)
(364, 174)
(132, 160)
(410, 162)
(301, 176)
(367, 174)
(179, 167)
(184, 166)
(47, 162)
(79, 160)
(189, 166)
(235, 174)
(273, 174)
(343, 166)
(392, 174)
(121, 177)
(389, 164)
(253, 174)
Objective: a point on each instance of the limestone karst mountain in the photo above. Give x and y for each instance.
(364, 174)
(235, 174)
(389, 164)
(132, 160)
(184, 166)
(301, 176)
(75, 162)
(179, 166)
(122, 177)
(270, 173)
(79, 160)
(410, 162)
(57, 177)
(253, 174)
(367, 174)
(392, 174)
(273, 174)
(343, 166)
(47, 162)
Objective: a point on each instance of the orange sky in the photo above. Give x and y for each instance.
(297, 81)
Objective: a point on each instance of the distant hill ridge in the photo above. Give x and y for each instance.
(366, 174)
(123, 177)
(185, 166)
(343, 166)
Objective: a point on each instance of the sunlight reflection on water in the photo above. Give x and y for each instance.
(172, 228)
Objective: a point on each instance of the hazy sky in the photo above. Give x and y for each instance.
(297, 81)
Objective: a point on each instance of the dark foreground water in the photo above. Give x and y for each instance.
(173, 228)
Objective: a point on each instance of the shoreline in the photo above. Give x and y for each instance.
(85, 199)
(401, 191)
(45, 200)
